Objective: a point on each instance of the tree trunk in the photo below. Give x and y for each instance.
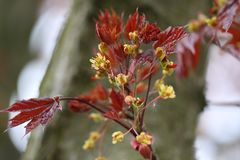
(172, 122)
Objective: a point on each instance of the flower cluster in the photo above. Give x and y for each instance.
(90, 142)
(221, 27)
(131, 57)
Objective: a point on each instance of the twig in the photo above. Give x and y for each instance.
(145, 102)
(99, 110)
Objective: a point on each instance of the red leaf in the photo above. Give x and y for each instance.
(145, 151)
(112, 115)
(24, 116)
(98, 93)
(188, 50)
(37, 110)
(135, 144)
(148, 32)
(117, 100)
(169, 37)
(119, 53)
(235, 31)
(134, 22)
(109, 26)
(77, 106)
(227, 14)
(141, 87)
(28, 105)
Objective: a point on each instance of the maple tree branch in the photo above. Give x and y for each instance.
(82, 101)
(145, 102)
(99, 110)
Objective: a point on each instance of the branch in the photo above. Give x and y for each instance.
(99, 110)
(145, 102)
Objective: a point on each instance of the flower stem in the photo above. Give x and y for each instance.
(153, 157)
(145, 102)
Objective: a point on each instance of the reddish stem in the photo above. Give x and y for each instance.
(145, 102)
(99, 110)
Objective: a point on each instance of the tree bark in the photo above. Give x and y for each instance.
(171, 122)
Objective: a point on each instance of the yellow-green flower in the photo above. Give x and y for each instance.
(100, 62)
(90, 142)
(121, 79)
(96, 117)
(94, 136)
(117, 137)
(165, 91)
(144, 138)
(101, 158)
(221, 3)
(160, 53)
(211, 21)
(134, 36)
(131, 49)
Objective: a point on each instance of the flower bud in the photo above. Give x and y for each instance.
(145, 151)
(129, 100)
(160, 53)
(102, 47)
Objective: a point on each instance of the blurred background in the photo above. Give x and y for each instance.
(28, 34)
(16, 21)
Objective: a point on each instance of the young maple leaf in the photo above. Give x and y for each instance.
(168, 38)
(112, 115)
(134, 23)
(36, 110)
(117, 100)
(148, 32)
(109, 26)
(233, 46)
(234, 30)
(98, 93)
(144, 150)
(227, 14)
(118, 52)
(188, 51)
